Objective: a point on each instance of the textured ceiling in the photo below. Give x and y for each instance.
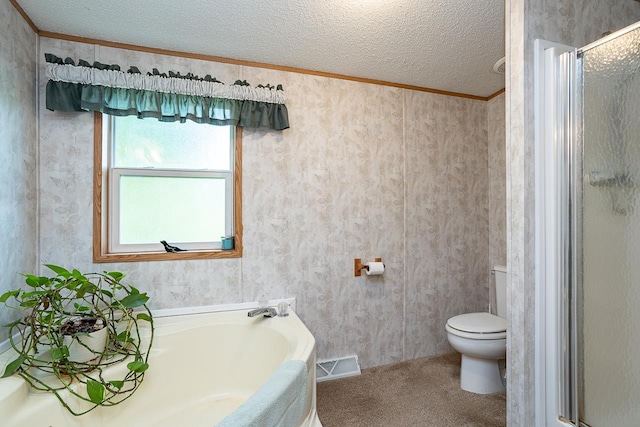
(448, 45)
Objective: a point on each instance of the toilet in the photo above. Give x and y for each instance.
(481, 339)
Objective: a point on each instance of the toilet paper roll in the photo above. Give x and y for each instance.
(374, 268)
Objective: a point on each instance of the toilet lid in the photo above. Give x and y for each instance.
(478, 323)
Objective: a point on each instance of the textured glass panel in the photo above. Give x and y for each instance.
(151, 143)
(173, 209)
(610, 333)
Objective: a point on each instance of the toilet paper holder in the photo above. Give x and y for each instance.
(358, 266)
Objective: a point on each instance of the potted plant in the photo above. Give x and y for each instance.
(74, 327)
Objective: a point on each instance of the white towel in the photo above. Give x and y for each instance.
(279, 402)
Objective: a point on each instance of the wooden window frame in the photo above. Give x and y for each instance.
(100, 209)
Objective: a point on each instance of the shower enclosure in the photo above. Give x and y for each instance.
(588, 252)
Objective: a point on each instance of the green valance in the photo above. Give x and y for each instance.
(167, 97)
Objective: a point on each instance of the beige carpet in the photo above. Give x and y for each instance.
(421, 392)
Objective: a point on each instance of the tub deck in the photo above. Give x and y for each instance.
(201, 368)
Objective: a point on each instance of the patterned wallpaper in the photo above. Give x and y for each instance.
(497, 181)
(18, 142)
(365, 171)
(447, 229)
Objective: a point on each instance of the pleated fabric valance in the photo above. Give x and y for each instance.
(169, 98)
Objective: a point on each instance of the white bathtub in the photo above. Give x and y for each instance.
(202, 367)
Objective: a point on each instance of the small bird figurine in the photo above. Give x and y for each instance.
(169, 248)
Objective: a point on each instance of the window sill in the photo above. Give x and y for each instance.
(166, 256)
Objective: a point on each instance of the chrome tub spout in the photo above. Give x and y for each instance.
(269, 312)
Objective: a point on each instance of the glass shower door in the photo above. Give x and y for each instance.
(608, 233)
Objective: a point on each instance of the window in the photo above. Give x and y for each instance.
(178, 182)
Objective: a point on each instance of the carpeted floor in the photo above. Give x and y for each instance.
(421, 393)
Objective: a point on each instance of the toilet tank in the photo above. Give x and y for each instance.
(500, 278)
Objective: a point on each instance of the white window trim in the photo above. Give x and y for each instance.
(114, 174)
(114, 208)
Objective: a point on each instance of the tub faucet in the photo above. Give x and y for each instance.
(270, 312)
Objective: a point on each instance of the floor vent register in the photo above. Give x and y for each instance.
(341, 367)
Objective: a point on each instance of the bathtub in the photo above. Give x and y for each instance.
(202, 367)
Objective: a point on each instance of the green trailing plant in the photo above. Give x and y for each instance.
(60, 313)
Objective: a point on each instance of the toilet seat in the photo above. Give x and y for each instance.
(479, 326)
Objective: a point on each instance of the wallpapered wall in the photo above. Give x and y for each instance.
(575, 23)
(18, 142)
(497, 181)
(365, 171)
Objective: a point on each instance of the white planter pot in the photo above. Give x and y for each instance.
(95, 344)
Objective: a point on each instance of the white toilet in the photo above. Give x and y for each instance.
(481, 338)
